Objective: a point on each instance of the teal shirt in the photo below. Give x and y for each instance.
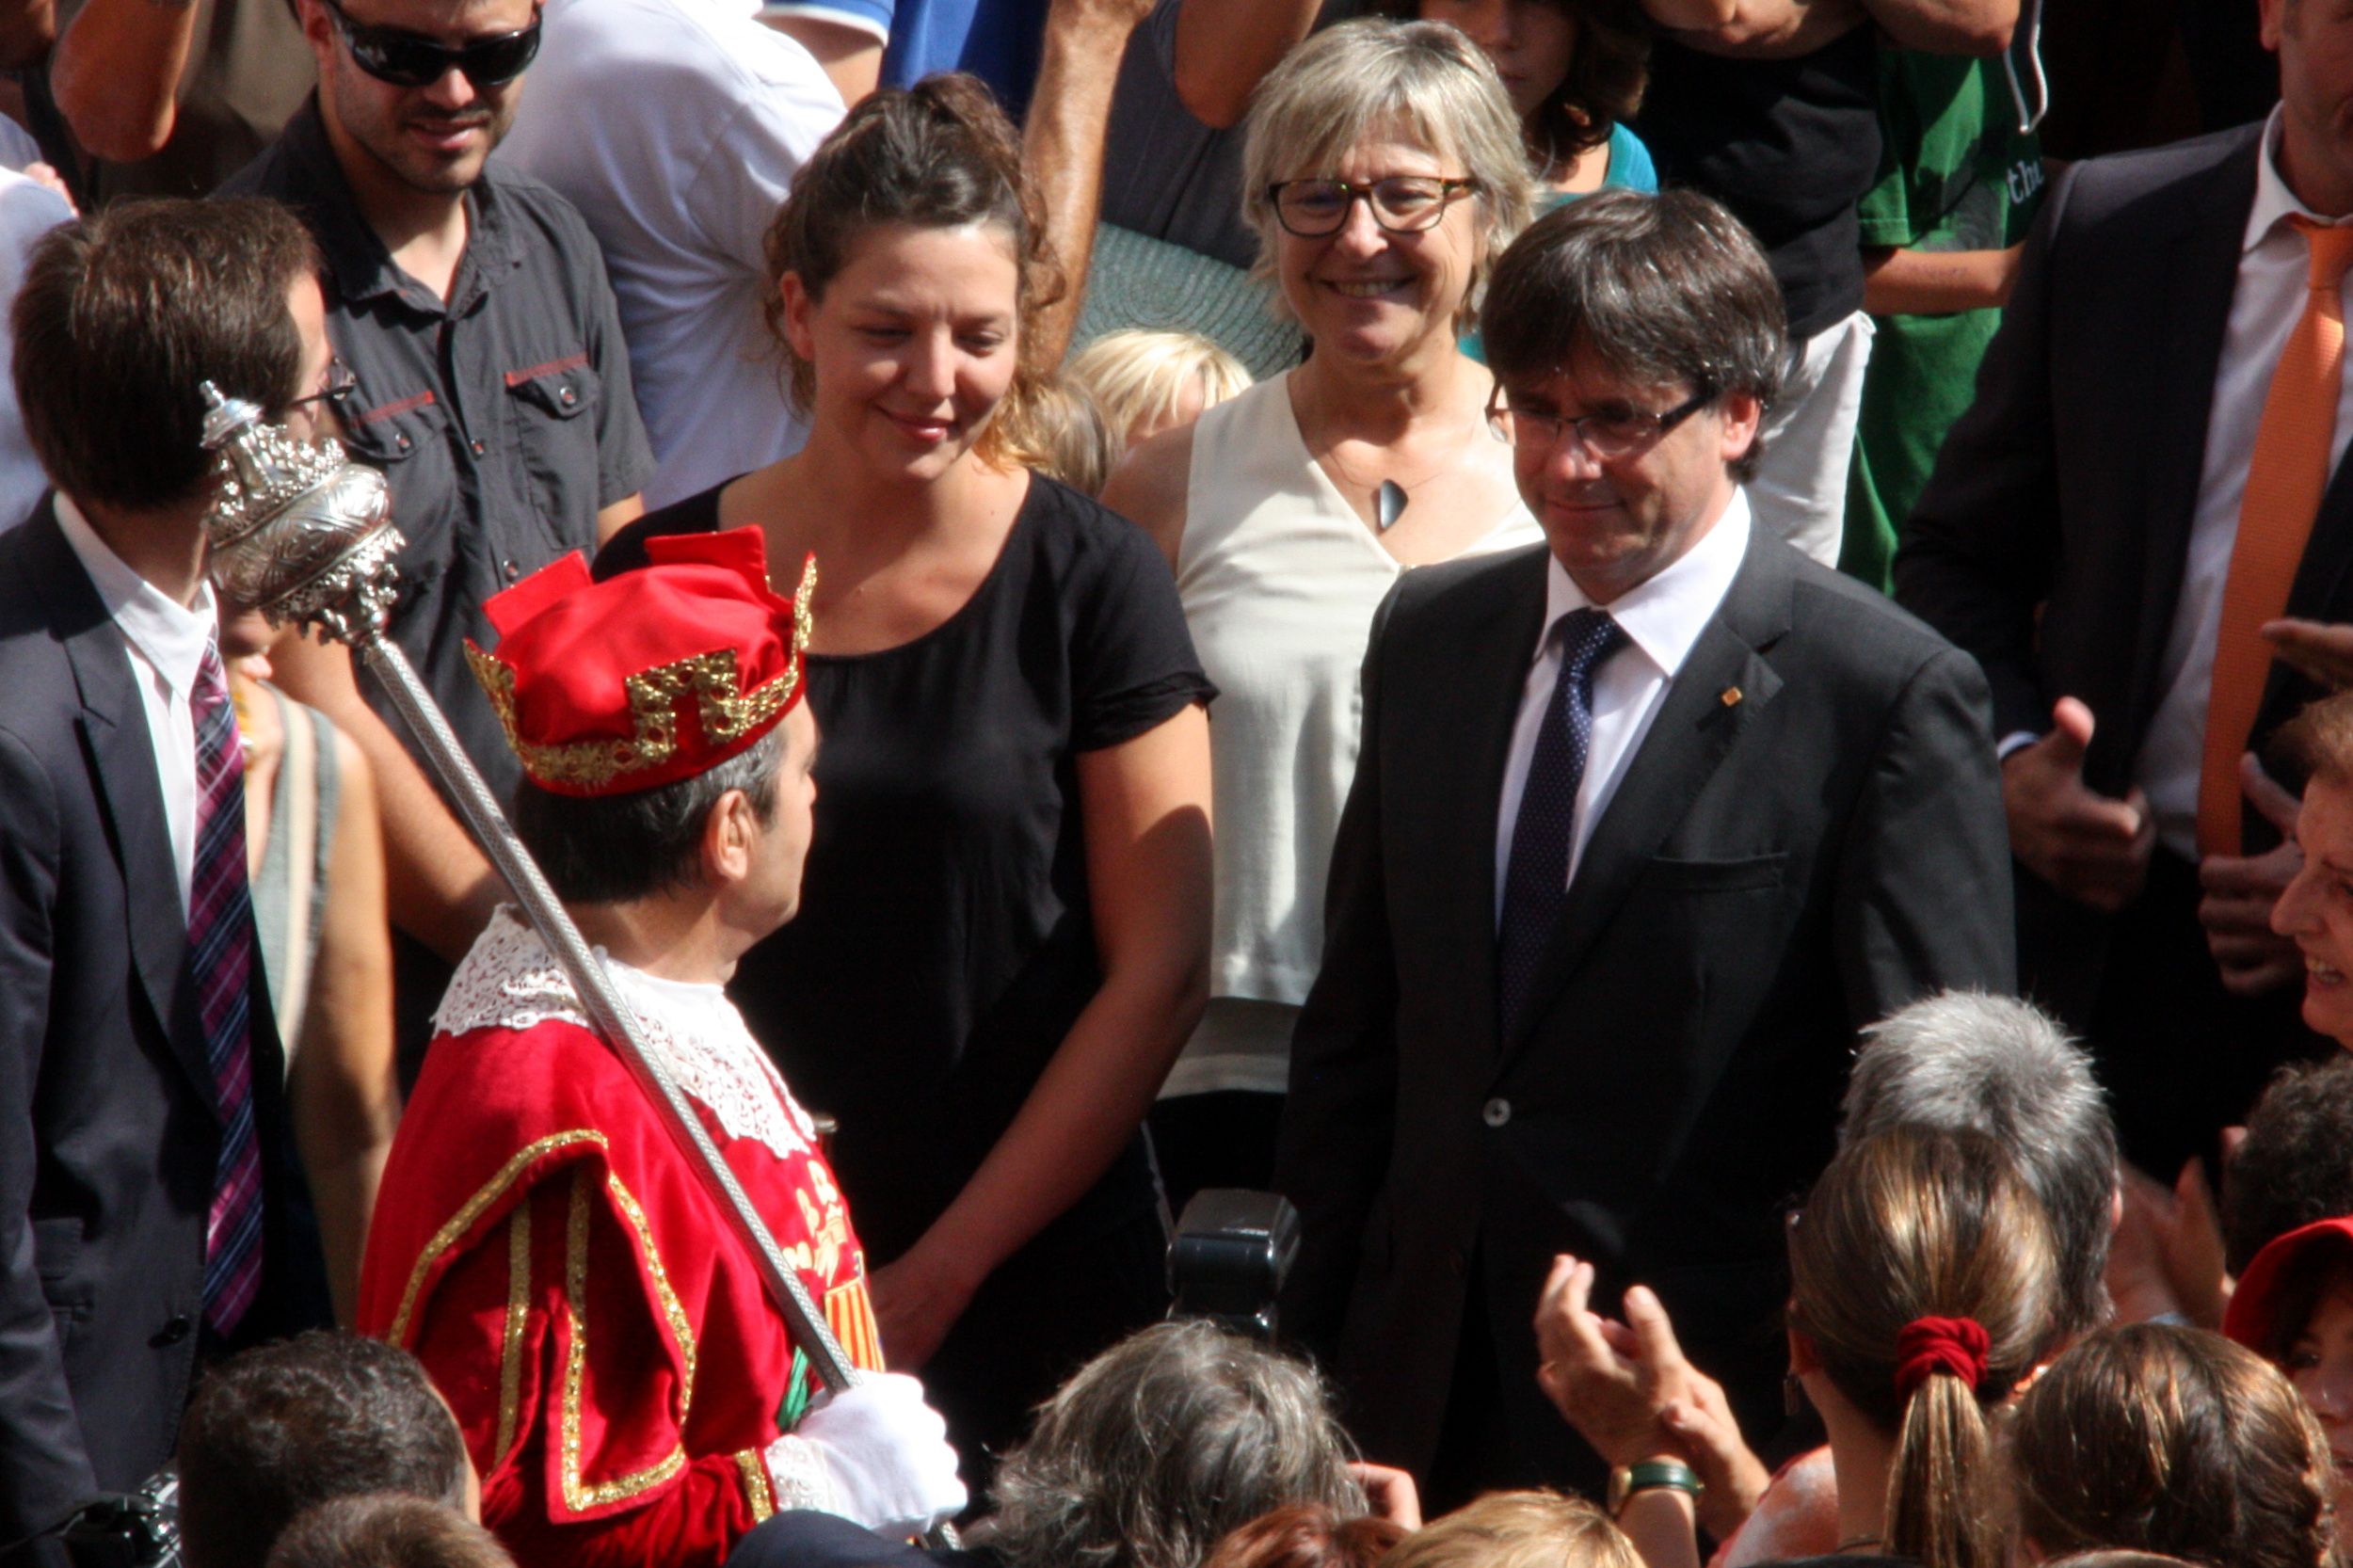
(1630, 169)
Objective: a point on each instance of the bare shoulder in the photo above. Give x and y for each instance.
(357, 778)
(1149, 488)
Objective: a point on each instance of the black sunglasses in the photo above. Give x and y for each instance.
(408, 59)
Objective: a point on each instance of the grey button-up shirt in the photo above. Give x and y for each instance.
(502, 419)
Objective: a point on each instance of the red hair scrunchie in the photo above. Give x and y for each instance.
(1929, 1345)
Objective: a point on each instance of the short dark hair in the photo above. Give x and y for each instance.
(124, 313)
(2296, 1165)
(287, 1426)
(611, 849)
(1653, 289)
(385, 1530)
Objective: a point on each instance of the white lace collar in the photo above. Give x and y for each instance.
(509, 980)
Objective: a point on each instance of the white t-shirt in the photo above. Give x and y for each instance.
(676, 127)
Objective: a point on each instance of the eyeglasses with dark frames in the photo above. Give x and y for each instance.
(1616, 432)
(1402, 204)
(406, 59)
(335, 386)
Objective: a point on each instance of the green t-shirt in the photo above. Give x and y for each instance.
(1958, 174)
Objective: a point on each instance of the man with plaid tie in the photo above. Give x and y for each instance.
(143, 1224)
(1646, 824)
(2150, 475)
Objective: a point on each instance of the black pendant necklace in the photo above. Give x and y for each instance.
(1388, 503)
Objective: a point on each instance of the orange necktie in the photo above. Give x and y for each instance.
(2285, 480)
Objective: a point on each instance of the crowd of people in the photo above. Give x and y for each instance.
(1623, 649)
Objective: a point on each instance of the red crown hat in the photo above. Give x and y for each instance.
(650, 677)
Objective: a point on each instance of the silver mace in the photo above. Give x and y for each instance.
(304, 534)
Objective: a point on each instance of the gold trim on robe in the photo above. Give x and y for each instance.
(473, 1210)
(518, 1316)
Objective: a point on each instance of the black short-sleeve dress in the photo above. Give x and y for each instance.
(945, 943)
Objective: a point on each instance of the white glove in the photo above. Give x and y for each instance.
(876, 1454)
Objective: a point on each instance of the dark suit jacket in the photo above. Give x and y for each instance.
(108, 1129)
(1810, 836)
(2052, 540)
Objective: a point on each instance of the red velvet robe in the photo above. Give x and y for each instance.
(582, 1304)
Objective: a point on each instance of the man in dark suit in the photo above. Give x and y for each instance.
(1646, 826)
(142, 1161)
(2092, 536)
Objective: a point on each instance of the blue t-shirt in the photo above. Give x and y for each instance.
(998, 41)
(1630, 169)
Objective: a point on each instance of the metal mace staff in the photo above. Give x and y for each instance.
(305, 535)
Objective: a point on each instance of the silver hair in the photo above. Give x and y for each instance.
(1159, 1447)
(1373, 77)
(1965, 1059)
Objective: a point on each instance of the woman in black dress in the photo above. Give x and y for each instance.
(1005, 929)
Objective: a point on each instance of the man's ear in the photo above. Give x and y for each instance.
(1742, 415)
(2272, 22)
(729, 833)
(318, 31)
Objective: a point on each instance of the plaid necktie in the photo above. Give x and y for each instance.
(220, 955)
(1536, 881)
(2286, 476)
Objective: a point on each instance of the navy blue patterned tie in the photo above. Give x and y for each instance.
(220, 954)
(1536, 883)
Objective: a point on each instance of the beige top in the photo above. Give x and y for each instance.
(1280, 580)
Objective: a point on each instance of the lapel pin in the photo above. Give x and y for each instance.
(1731, 698)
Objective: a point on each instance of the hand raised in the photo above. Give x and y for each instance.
(1390, 1492)
(1611, 1381)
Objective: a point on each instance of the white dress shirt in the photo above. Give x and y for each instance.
(1661, 618)
(166, 642)
(2273, 263)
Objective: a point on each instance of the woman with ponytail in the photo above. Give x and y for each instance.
(1924, 1285)
(1004, 934)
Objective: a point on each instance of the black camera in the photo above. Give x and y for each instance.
(116, 1529)
(1233, 1250)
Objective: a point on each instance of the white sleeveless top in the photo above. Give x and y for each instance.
(1280, 580)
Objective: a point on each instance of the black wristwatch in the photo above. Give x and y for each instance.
(1626, 1479)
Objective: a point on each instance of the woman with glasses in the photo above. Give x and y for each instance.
(1005, 918)
(1385, 174)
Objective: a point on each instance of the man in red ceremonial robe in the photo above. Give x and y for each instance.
(625, 1387)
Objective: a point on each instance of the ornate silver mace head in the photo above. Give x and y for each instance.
(298, 531)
